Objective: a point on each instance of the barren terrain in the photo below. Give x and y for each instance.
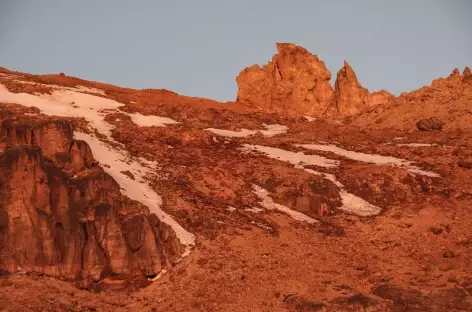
(319, 199)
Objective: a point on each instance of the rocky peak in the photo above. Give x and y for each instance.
(454, 74)
(467, 71)
(295, 81)
(467, 75)
(350, 96)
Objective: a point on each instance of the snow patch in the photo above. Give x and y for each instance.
(271, 130)
(269, 204)
(66, 103)
(416, 144)
(295, 159)
(77, 88)
(309, 118)
(151, 120)
(254, 209)
(370, 158)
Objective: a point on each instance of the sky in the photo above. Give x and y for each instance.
(197, 48)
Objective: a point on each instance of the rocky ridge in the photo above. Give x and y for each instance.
(297, 82)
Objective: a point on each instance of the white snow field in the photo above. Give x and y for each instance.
(370, 158)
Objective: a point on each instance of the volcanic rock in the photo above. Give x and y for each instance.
(429, 124)
(295, 81)
(454, 74)
(350, 97)
(467, 75)
(467, 72)
(62, 215)
(381, 97)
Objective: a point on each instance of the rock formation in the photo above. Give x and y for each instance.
(429, 124)
(351, 97)
(381, 97)
(295, 81)
(455, 73)
(467, 72)
(63, 216)
(467, 75)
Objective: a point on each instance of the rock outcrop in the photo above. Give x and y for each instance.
(62, 215)
(429, 124)
(297, 82)
(294, 82)
(467, 75)
(454, 74)
(350, 96)
(381, 97)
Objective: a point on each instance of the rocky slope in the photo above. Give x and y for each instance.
(447, 99)
(63, 216)
(245, 206)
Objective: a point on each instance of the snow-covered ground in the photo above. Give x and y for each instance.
(370, 158)
(67, 103)
(271, 130)
(416, 144)
(78, 88)
(298, 158)
(350, 202)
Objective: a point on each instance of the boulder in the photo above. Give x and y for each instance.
(429, 124)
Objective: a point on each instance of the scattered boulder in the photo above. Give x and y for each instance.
(448, 254)
(298, 304)
(429, 124)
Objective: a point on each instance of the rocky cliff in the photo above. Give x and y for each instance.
(63, 216)
(297, 82)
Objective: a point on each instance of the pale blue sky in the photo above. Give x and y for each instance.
(198, 47)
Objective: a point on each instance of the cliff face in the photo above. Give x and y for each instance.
(294, 82)
(63, 216)
(297, 82)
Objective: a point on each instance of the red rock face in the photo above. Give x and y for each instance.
(350, 97)
(63, 216)
(294, 82)
(297, 82)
